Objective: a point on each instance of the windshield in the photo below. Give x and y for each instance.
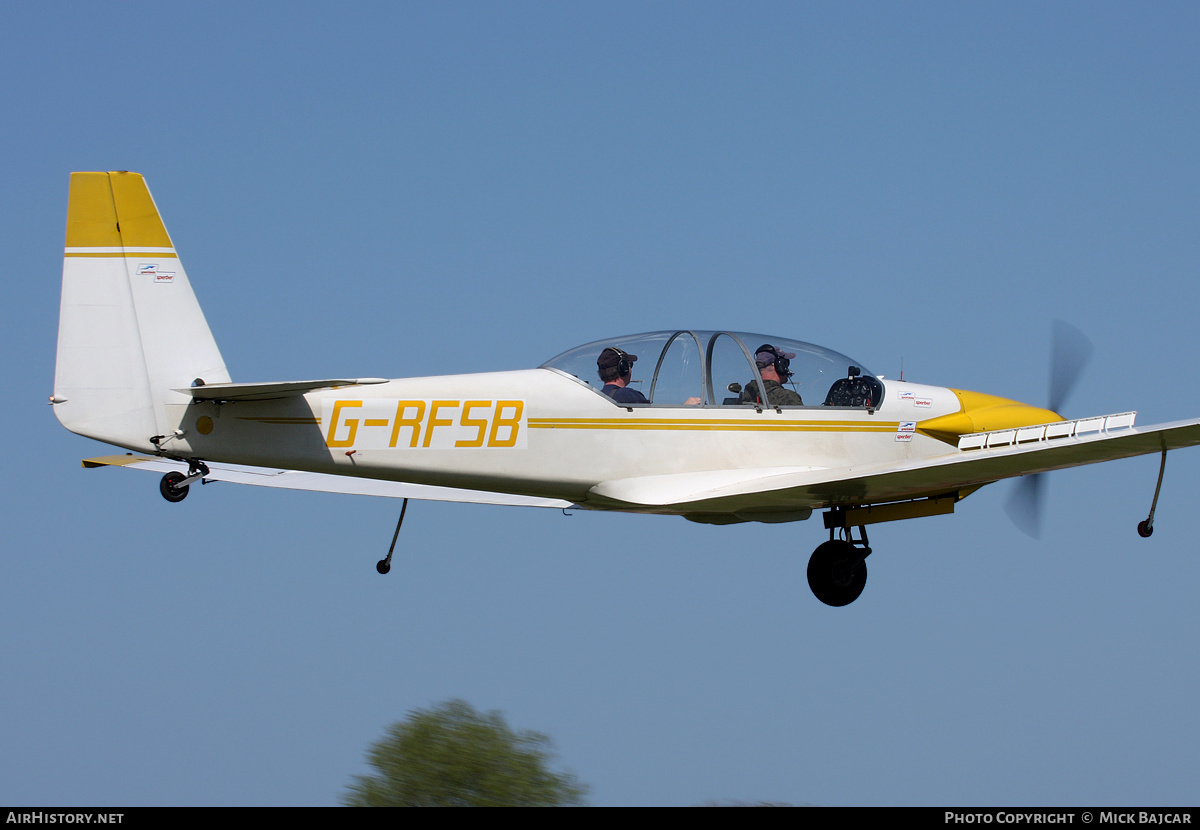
(718, 368)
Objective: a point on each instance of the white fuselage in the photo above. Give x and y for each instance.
(539, 432)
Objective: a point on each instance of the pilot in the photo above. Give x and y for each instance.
(616, 368)
(773, 366)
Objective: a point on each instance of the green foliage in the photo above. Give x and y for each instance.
(452, 756)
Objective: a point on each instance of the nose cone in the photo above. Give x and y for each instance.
(984, 413)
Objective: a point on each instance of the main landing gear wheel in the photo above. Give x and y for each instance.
(170, 489)
(836, 573)
(1145, 529)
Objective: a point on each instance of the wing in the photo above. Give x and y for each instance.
(297, 480)
(981, 459)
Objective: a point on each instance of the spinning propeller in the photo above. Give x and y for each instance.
(1069, 353)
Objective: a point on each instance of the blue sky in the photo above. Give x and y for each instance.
(405, 189)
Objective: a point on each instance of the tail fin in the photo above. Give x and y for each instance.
(130, 331)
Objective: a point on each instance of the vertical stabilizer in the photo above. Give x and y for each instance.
(129, 329)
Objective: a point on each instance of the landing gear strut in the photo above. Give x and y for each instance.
(385, 565)
(1146, 526)
(837, 572)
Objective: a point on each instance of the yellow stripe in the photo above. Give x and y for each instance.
(131, 255)
(565, 420)
(717, 425)
(664, 424)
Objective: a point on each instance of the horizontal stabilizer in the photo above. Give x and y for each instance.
(320, 482)
(269, 391)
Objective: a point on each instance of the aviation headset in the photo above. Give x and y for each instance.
(623, 366)
(780, 362)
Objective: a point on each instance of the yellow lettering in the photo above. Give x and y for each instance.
(435, 421)
(351, 424)
(414, 422)
(513, 423)
(478, 423)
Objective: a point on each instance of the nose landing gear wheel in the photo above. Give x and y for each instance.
(836, 573)
(170, 489)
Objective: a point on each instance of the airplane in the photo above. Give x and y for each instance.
(137, 367)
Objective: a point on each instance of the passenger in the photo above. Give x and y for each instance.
(773, 366)
(616, 369)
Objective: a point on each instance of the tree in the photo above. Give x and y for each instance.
(452, 756)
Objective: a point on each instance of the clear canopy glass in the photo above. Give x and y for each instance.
(716, 368)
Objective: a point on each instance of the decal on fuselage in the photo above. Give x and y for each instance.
(430, 424)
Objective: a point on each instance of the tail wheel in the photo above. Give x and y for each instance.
(170, 489)
(836, 573)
